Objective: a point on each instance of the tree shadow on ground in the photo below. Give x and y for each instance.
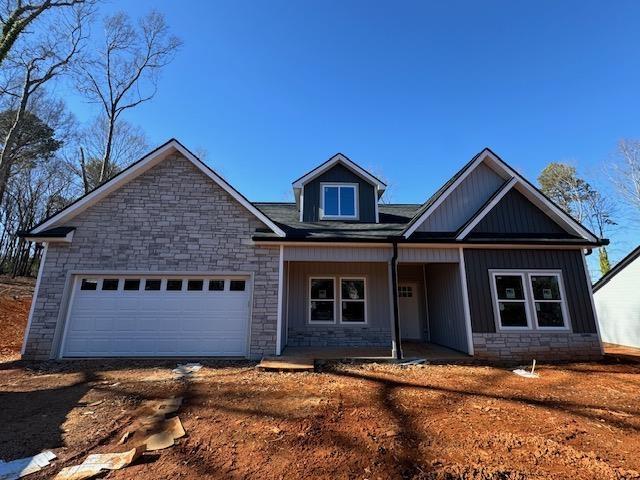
(31, 421)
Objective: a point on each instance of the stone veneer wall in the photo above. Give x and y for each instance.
(328, 336)
(545, 346)
(170, 218)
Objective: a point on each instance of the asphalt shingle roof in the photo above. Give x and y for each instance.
(393, 220)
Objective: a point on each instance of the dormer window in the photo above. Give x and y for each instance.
(339, 201)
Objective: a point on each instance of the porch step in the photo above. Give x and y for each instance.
(286, 364)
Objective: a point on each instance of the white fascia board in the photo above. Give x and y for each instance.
(501, 193)
(138, 168)
(339, 158)
(540, 200)
(45, 239)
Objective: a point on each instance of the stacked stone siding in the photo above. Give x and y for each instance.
(171, 218)
(328, 336)
(545, 346)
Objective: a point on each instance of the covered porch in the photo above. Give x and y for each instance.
(338, 303)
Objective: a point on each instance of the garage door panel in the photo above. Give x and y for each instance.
(157, 323)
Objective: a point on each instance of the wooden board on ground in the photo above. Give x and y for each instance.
(286, 364)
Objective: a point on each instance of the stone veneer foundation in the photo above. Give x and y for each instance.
(545, 346)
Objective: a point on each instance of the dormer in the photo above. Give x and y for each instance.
(338, 190)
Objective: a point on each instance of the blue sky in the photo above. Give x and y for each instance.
(410, 90)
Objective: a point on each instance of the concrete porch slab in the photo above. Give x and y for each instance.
(430, 352)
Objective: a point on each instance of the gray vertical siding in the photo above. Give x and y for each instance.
(464, 201)
(478, 262)
(338, 254)
(428, 255)
(516, 214)
(377, 331)
(339, 173)
(446, 313)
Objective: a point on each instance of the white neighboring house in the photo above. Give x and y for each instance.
(618, 303)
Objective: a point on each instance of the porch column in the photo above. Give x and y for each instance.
(280, 297)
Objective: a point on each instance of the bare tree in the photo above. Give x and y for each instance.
(38, 63)
(125, 72)
(129, 143)
(624, 171)
(17, 15)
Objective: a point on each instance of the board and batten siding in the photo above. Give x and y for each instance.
(464, 201)
(514, 213)
(446, 314)
(618, 306)
(339, 174)
(377, 330)
(478, 262)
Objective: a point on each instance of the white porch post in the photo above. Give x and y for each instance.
(394, 340)
(465, 301)
(280, 296)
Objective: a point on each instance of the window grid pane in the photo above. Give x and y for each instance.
(347, 201)
(331, 206)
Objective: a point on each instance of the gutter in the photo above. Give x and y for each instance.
(397, 347)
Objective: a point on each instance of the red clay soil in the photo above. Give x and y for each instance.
(577, 421)
(372, 421)
(15, 301)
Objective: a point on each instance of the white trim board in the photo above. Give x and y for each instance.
(340, 158)
(500, 167)
(487, 208)
(144, 164)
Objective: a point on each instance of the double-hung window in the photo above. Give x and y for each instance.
(346, 293)
(352, 299)
(322, 299)
(530, 299)
(339, 201)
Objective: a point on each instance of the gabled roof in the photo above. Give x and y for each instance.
(621, 265)
(344, 160)
(134, 170)
(525, 187)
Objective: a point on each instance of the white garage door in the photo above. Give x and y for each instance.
(140, 316)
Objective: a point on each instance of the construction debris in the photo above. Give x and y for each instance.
(25, 466)
(186, 370)
(159, 435)
(98, 462)
(523, 373)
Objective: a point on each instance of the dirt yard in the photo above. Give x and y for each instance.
(15, 301)
(372, 421)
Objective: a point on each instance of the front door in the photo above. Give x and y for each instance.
(409, 311)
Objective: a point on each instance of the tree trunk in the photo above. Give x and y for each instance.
(107, 150)
(6, 160)
(83, 167)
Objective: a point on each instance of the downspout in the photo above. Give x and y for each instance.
(397, 351)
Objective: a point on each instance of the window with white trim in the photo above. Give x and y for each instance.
(352, 300)
(339, 201)
(322, 300)
(548, 300)
(530, 299)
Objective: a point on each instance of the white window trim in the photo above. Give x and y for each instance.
(496, 306)
(334, 300)
(364, 300)
(563, 300)
(339, 185)
(529, 300)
